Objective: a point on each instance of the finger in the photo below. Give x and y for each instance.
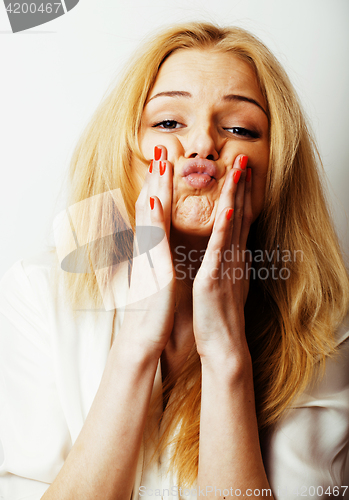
(230, 187)
(144, 193)
(159, 161)
(239, 179)
(223, 227)
(160, 153)
(163, 190)
(158, 181)
(217, 244)
(153, 260)
(248, 215)
(161, 182)
(160, 249)
(227, 195)
(146, 237)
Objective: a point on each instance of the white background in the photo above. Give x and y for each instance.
(53, 77)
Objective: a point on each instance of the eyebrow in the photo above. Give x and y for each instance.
(229, 97)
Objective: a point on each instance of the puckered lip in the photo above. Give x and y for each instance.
(200, 166)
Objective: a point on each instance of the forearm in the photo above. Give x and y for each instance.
(230, 455)
(103, 460)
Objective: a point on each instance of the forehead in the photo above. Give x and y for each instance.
(207, 73)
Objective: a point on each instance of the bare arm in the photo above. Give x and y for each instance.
(229, 450)
(230, 457)
(103, 460)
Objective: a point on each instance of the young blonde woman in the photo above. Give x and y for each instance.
(225, 373)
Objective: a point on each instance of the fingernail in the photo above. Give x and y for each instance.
(162, 167)
(237, 176)
(243, 162)
(157, 153)
(229, 213)
(151, 167)
(151, 203)
(248, 175)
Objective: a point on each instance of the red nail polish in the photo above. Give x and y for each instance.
(229, 213)
(237, 176)
(243, 162)
(248, 175)
(151, 203)
(162, 167)
(151, 167)
(157, 153)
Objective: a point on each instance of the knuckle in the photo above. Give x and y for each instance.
(239, 213)
(248, 216)
(220, 231)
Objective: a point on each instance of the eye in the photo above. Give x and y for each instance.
(243, 132)
(168, 125)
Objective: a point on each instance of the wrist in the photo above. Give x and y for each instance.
(232, 364)
(140, 341)
(133, 352)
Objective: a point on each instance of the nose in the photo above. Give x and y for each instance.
(201, 142)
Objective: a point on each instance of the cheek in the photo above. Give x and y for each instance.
(151, 139)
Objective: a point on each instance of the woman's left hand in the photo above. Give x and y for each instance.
(221, 284)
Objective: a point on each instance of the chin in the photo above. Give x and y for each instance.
(194, 215)
(192, 228)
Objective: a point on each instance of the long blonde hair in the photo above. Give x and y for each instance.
(298, 315)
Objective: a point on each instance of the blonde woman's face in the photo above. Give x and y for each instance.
(206, 105)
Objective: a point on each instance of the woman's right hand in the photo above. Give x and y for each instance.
(149, 315)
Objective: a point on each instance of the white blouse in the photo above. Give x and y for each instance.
(51, 365)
